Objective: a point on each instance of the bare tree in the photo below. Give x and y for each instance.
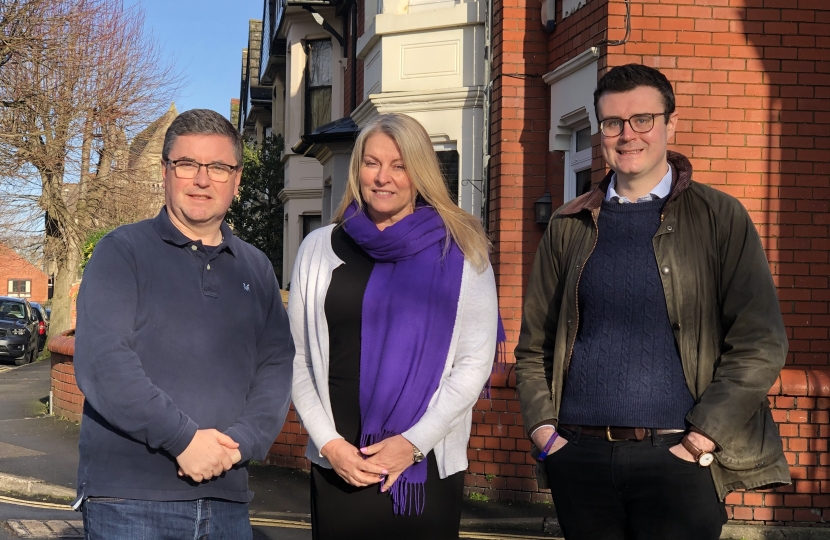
(19, 28)
(66, 115)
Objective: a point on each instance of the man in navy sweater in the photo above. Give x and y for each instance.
(651, 334)
(184, 354)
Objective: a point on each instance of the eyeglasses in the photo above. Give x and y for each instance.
(640, 123)
(187, 169)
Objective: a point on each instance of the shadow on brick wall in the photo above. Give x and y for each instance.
(786, 76)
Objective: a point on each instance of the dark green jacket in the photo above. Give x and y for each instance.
(722, 305)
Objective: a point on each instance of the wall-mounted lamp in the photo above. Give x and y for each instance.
(543, 208)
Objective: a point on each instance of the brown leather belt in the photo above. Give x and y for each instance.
(613, 433)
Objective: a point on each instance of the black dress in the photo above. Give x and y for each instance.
(339, 510)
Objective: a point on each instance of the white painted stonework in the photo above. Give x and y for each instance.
(572, 88)
(426, 59)
(302, 195)
(572, 97)
(303, 190)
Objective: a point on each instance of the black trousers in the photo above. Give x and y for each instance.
(340, 511)
(631, 490)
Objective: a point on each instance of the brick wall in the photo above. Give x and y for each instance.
(67, 399)
(518, 169)
(800, 400)
(752, 79)
(289, 448)
(518, 165)
(753, 92)
(500, 463)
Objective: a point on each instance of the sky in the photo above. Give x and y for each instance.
(204, 40)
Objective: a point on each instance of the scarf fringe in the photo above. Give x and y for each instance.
(408, 497)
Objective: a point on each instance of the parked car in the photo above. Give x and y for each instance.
(42, 325)
(18, 330)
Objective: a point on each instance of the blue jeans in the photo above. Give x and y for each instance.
(107, 518)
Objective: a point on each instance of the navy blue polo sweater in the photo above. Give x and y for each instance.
(172, 337)
(625, 369)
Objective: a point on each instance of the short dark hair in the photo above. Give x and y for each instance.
(202, 122)
(630, 76)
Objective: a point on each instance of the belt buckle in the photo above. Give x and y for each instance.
(608, 436)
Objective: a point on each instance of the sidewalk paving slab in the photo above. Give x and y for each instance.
(30, 528)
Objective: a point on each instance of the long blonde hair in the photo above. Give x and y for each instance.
(421, 165)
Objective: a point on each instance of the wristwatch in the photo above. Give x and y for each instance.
(417, 455)
(704, 459)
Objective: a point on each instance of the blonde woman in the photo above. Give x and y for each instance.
(394, 315)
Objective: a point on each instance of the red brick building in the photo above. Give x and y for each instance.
(752, 79)
(20, 278)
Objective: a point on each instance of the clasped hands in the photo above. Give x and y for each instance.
(383, 461)
(209, 454)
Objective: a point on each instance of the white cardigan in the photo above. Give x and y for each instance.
(445, 426)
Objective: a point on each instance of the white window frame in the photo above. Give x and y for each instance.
(576, 161)
(27, 293)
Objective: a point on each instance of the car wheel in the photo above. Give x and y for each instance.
(33, 355)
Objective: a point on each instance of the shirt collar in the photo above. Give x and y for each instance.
(659, 191)
(170, 234)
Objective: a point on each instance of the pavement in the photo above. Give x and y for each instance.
(39, 460)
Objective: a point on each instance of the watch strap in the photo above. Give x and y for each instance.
(692, 449)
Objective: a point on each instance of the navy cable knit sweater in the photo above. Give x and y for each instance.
(625, 369)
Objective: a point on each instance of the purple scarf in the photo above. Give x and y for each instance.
(409, 312)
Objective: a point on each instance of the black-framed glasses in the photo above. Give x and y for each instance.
(187, 169)
(640, 123)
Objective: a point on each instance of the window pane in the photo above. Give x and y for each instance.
(319, 65)
(319, 107)
(311, 223)
(583, 182)
(448, 159)
(583, 139)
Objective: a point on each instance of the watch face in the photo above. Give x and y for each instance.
(706, 459)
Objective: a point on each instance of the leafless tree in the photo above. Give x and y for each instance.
(72, 94)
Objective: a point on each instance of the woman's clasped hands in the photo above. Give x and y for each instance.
(394, 454)
(386, 459)
(351, 465)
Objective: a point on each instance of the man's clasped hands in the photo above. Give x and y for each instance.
(209, 454)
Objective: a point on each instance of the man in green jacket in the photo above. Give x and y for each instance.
(650, 337)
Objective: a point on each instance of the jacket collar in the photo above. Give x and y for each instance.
(681, 170)
(170, 234)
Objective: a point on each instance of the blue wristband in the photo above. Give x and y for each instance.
(548, 446)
